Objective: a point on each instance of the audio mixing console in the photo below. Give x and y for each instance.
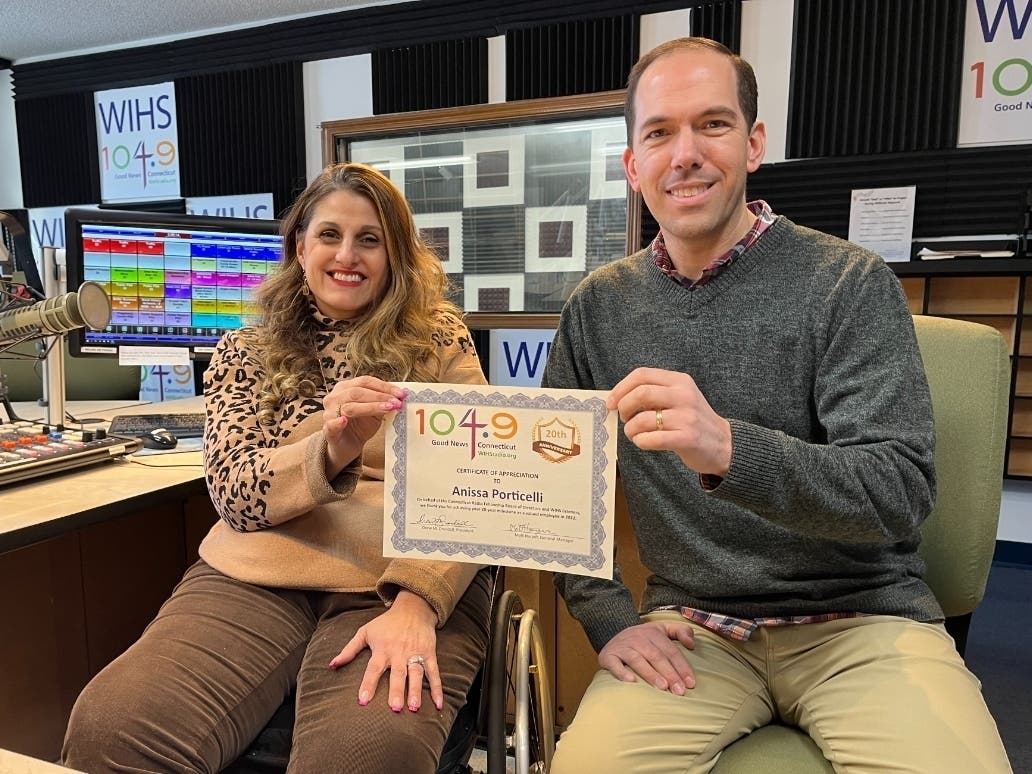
(30, 449)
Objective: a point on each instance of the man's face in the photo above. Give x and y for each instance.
(691, 151)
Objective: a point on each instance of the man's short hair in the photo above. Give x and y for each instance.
(747, 91)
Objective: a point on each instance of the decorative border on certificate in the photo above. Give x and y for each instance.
(505, 475)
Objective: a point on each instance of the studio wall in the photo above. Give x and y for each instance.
(334, 74)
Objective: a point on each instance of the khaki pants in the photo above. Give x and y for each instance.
(219, 658)
(876, 693)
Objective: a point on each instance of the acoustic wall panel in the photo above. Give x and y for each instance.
(875, 76)
(960, 192)
(243, 132)
(322, 36)
(429, 76)
(720, 21)
(57, 146)
(570, 57)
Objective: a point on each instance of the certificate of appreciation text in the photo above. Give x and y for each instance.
(518, 476)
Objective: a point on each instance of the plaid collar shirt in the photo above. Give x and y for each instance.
(764, 218)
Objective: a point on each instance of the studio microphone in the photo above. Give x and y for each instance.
(89, 307)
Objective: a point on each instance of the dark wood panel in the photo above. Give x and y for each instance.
(198, 517)
(129, 567)
(43, 645)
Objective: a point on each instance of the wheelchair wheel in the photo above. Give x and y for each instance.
(518, 686)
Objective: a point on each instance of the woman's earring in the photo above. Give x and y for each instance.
(305, 290)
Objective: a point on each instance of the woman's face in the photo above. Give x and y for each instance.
(344, 254)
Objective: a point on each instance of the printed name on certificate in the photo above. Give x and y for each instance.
(518, 476)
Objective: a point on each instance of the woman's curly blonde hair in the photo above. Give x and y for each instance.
(393, 339)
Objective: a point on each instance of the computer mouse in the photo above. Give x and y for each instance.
(159, 438)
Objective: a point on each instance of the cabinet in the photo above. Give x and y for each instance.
(72, 603)
(994, 292)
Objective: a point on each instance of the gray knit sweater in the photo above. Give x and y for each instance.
(806, 346)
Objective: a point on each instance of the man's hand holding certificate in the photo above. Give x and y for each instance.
(518, 476)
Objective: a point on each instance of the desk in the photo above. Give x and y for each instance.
(37, 510)
(12, 763)
(86, 559)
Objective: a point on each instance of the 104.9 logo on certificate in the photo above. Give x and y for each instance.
(504, 475)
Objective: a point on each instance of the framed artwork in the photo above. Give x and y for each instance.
(520, 200)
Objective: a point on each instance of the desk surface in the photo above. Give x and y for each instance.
(36, 510)
(13, 763)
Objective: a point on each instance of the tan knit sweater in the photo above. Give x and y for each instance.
(283, 524)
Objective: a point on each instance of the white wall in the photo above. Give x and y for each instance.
(335, 89)
(656, 28)
(10, 165)
(496, 69)
(1016, 512)
(767, 46)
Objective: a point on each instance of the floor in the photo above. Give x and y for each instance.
(478, 762)
(999, 653)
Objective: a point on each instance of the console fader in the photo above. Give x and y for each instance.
(29, 449)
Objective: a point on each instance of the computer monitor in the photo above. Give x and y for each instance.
(174, 280)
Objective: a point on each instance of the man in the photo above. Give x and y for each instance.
(777, 458)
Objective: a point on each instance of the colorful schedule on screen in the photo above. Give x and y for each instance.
(183, 285)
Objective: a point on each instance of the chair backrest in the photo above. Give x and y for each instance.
(968, 371)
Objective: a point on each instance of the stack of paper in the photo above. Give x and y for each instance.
(925, 254)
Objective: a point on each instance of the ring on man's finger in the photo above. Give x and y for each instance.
(659, 420)
(413, 660)
(338, 410)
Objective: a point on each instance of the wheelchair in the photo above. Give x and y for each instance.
(508, 707)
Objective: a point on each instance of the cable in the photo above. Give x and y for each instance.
(84, 421)
(135, 461)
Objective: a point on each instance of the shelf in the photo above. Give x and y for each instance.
(991, 291)
(960, 296)
(983, 267)
(976, 316)
(1023, 385)
(1020, 461)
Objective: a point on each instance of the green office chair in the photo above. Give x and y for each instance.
(968, 370)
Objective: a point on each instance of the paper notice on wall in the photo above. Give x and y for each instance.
(882, 220)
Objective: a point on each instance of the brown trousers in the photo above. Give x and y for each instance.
(209, 671)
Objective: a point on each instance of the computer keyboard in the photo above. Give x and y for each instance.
(180, 425)
(29, 449)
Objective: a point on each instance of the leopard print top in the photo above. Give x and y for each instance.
(283, 523)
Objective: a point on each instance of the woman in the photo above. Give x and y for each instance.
(291, 585)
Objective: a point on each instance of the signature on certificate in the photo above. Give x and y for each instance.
(524, 529)
(441, 521)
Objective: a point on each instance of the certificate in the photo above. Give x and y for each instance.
(518, 476)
